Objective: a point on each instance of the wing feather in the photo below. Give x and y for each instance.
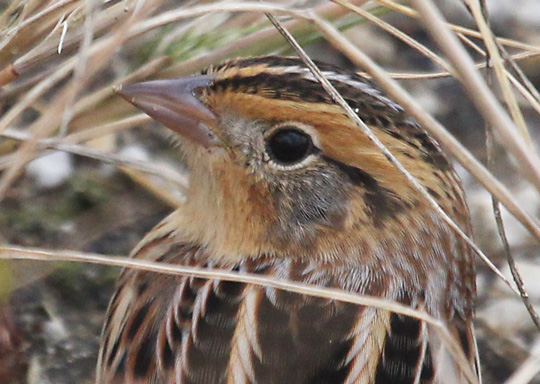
(172, 329)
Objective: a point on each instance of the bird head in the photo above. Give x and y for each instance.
(278, 168)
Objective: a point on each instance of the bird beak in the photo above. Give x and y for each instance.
(173, 103)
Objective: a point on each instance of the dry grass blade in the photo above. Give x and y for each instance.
(456, 352)
(86, 105)
(165, 173)
(527, 372)
(20, 253)
(498, 65)
(106, 129)
(480, 93)
(499, 220)
(60, 41)
(524, 90)
(147, 70)
(168, 39)
(173, 197)
(180, 14)
(29, 31)
(429, 123)
(391, 4)
(49, 121)
(531, 89)
(454, 147)
(399, 34)
(79, 74)
(512, 264)
(252, 44)
(31, 96)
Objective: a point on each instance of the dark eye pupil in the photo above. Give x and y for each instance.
(289, 145)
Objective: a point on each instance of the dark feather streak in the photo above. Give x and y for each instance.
(402, 353)
(381, 202)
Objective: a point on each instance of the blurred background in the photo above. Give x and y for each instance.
(82, 170)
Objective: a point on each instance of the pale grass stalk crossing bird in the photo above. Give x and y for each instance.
(284, 184)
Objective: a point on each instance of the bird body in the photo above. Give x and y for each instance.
(283, 184)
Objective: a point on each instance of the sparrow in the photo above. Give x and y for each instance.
(284, 184)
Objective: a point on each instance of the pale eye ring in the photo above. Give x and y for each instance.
(289, 145)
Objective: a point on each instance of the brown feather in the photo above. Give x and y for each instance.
(342, 217)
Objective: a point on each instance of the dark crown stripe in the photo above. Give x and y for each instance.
(276, 62)
(288, 79)
(275, 86)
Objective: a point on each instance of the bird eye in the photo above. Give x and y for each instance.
(289, 145)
